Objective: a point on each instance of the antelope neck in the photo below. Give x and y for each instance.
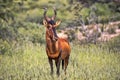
(51, 45)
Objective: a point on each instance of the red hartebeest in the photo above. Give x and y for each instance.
(57, 49)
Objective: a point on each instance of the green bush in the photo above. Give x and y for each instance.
(5, 47)
(33, 32)
(114, 44)
(111, 30)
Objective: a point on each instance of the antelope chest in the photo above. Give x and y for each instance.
(53, 50)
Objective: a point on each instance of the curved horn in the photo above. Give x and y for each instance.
(55, 13)
(45, 11)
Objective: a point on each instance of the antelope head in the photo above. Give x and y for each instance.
(50, 25)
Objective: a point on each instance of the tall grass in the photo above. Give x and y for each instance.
(86, 63)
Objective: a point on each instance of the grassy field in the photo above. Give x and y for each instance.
(86, 63)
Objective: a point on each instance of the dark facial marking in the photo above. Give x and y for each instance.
(52, 29)
(52, 22)
(55, 34)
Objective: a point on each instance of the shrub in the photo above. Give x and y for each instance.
(111, 30)
(4, 47)
(114, 44)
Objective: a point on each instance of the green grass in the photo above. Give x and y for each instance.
(86, 63)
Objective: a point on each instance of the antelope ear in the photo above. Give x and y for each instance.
(45, 23)
(57, 23)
